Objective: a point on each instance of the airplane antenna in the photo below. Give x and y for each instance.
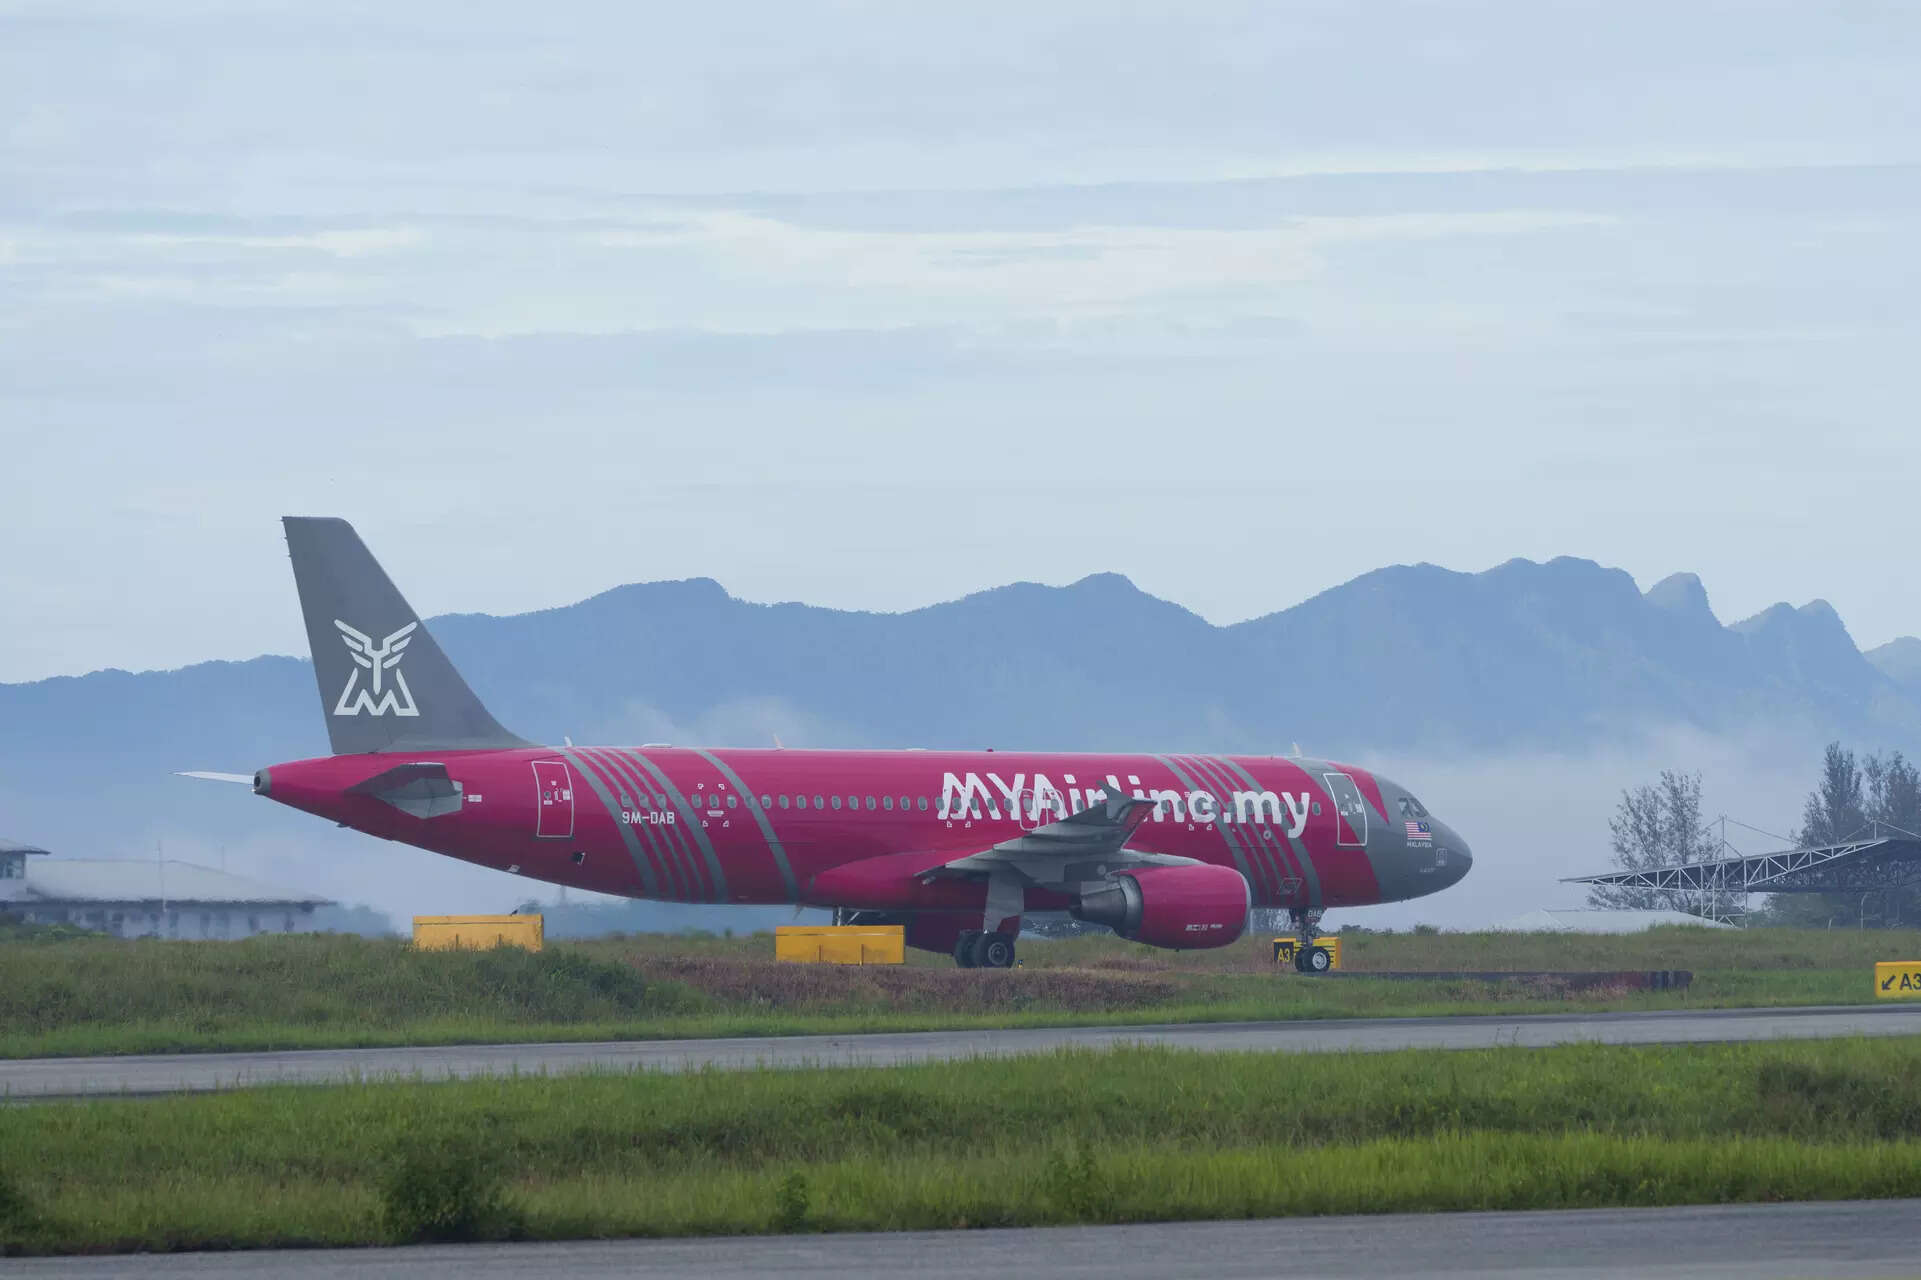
(566, 741)
(778, 743)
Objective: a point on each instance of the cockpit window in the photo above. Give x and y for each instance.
(1411, 808)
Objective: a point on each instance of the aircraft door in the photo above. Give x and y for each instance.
(554, 789)
(1026, 805)
(1350, 811)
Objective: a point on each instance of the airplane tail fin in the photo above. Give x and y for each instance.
(384, 683)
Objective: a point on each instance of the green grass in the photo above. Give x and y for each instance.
(92, 995)
(1127, 1135)
(1667, 947)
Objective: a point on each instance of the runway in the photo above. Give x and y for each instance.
(1846, 1238)
(51, 1078)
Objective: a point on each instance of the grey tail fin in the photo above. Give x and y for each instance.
(384, 683)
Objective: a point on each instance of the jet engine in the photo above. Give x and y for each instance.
(1185, 908)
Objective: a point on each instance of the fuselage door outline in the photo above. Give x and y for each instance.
(553, 800)
(1350, 811)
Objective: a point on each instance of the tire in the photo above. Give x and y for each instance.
(1316, 960)
(967, 949)
(994, 951)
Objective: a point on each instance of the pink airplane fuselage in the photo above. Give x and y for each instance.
(762, 826)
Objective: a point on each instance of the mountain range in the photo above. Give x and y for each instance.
(1555, 656)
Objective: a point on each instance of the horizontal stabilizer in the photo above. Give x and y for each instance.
(208, 775)
(422, 789)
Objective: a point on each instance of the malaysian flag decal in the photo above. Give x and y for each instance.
(1419, 831)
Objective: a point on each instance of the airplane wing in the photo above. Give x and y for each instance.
(1085, 845)
(208, 775)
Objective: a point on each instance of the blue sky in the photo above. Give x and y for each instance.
(872, 305)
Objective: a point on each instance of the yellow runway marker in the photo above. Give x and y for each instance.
(1895, 979)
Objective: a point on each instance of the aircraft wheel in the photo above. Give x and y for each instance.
(1316, 960)
(966, 950)
(994, 951)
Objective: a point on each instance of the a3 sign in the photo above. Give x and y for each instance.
(1898, 979)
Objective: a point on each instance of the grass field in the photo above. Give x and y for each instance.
(1129, 1135)
(90, 995)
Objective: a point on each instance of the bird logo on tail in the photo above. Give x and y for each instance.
(385, 689)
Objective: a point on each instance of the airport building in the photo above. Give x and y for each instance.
(143, 898)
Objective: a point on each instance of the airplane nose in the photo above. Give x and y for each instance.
(1452, 855)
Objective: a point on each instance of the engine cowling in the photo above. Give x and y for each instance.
(1183, 908)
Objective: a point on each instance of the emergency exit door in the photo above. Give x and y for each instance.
(554, 788)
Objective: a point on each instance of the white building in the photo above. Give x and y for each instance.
(138, 897)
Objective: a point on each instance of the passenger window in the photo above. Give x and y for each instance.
(733, 802)
(783, 802)
(922, 805)
(887, 803)
(853, 802)
(767, 802)
(700, 800)
(820, 803)
(837, 802)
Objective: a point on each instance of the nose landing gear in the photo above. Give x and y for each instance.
(1308, 958)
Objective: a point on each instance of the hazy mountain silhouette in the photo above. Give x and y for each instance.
(1900, 661)
(1552, 656)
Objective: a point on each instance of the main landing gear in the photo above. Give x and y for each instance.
(978, 950)
(1309, 958)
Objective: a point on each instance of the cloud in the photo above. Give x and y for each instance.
(1056, 272)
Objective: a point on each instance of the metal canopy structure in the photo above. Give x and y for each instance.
(1880, 858)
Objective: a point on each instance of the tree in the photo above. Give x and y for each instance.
(1856, 797)
(1835, 810)
(1659, 825)
(1894, 794)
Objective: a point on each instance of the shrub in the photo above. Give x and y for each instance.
(446, 1188)
(17, 1213)
(791, 1202)
(1821, 1101)
(1074, 1186)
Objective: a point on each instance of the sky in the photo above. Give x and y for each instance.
(872, 305)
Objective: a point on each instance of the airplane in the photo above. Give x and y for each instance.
(1171, 850)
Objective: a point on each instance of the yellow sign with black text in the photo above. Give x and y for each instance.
(1284, 950)
(1895, 979)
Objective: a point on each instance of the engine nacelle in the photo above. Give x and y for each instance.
(1184, 908)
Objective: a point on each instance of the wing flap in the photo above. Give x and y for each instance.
(1086, 845)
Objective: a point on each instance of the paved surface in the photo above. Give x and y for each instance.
(179, 1073)
(1850, 1238)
